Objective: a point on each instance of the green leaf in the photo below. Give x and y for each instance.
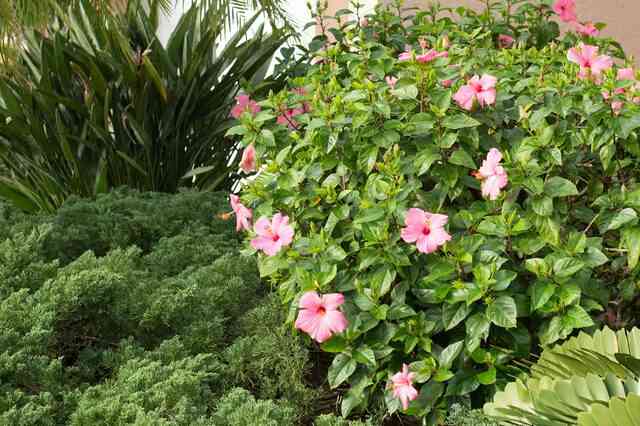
(631, 241)
(453, 315)
(340, 370)
(620, 219)
(559, 187)
(487, 377)
(406, 92)
(370, 215)
(477, 327)
(542, 205)
(493, 225)
(364, 355)
(462, 158)
(541, 291)
(449, 354)
(336, 344)
(577, 317)
(567, 266)
(628, 124)
(459, 121)
(503, 312)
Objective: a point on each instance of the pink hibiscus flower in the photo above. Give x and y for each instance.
(425, 229)
(586, 29)
(480, 89)
(244, 103)
(391, 81)
(272, 235)
(591, 64)
(492, 175)
(248, 161)
(405, 56)
(566, 10)
(319, 316)
(430, 55)
(286, 118)
(505, 41)
(243, 214)
(402, 386)
(626, 74)
(446, 83)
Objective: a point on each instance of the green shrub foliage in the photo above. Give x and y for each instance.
(380, 125)
(138, 309)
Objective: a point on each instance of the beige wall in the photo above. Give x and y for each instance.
(621, 16)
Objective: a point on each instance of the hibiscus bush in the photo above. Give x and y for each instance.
(443, 191)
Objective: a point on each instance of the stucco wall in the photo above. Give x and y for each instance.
(621, 17)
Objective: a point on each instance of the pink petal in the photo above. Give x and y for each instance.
(415, 216)
(335, 321)
(601, 63)
(437, 220)
(487, 97)
(310, 300)
(331, 301)
(464, 97)
(286, 235)
(488, 82)
(307, 320)
(266, 244)
(411, 233)
(626, 74)
(491, 187)
(405, 56)
(574, 56)
(248, 161)
(263, 227)
(235, 202)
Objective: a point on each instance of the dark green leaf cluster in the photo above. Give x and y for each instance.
(368, 134)
(138, 309)
(102, 103)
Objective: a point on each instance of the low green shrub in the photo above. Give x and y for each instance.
(138, 309)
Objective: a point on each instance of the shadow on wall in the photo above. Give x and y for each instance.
(621, 17)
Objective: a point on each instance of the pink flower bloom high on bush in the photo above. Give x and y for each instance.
(286, 118)
(586, 29)
(425, 229)
(492, 175)
(272, 235)
(244, 103)
(405, 56)
(505, 41)
(566, 10)
(243, 214)
(446, 83)
(626, 74)
(591, 64)
(402, 386)
(319, 316)
(482, 90)
(248, 161)
(364, 22)
(430, 55)
(391, 81)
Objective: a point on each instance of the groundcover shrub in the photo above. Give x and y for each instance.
(438, 196)
(138, 309)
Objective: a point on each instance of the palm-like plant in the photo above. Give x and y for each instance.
(587, 381)
(102, 104)
(18, 16)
